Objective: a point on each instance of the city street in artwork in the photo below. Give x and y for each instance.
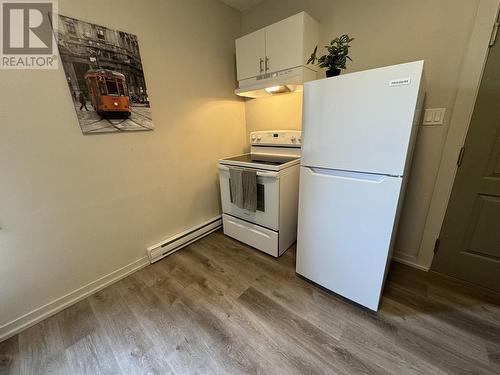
(103, 69)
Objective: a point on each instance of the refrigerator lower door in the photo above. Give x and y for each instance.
(345, 226)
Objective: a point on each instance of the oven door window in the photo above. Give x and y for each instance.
(261, 196)
(261, 202)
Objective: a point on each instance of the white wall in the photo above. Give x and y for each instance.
(387, 32)
(74, 208)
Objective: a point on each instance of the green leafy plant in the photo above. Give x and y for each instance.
(338, 53)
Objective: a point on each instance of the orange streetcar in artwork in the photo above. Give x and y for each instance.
(108, 92)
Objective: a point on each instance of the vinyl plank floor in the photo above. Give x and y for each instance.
(9, 356)
(220, 307)
(41, 349)
(133, 350)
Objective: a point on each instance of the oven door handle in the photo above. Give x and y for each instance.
(259, 173)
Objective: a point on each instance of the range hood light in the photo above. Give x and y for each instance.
(269, 91)
(278, 89)
(272, 89)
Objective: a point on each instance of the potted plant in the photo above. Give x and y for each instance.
(335, 60)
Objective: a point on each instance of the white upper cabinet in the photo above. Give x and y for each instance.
(251, 54)
(282, 45)
(283, 41)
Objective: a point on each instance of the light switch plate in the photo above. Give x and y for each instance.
(434, 116)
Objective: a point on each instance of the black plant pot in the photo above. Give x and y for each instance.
(332, 72)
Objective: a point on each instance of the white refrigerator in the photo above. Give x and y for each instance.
(358, 135)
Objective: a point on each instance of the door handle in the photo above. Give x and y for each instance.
(260, 65)
(259, 173)
(368, 177)
(266, 65)
(268, 174)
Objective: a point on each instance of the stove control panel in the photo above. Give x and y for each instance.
(283, 138)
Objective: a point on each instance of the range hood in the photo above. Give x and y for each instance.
(275, 83)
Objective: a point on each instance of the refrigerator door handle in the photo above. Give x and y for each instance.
(368, 177)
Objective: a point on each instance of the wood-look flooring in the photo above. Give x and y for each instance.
(220, 307)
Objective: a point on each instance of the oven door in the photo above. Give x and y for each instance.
(267, 213)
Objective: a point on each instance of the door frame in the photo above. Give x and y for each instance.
(470, 80)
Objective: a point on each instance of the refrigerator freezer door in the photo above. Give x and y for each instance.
(346, 222)
(362, 121)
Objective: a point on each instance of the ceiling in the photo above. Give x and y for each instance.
(241, 5)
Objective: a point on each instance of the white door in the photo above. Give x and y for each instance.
(362, 121)
(346, 222)
(251, 54)
(268, 186)
(284, 43)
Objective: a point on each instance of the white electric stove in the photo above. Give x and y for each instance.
(272, 228)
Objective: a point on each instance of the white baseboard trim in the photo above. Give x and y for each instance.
(19, 324)
(409, 261)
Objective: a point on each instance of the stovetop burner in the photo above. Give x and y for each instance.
(263, 159)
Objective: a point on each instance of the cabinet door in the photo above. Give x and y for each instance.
(250, 54)
(284, 43)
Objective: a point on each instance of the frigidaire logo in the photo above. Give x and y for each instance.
(27, 40)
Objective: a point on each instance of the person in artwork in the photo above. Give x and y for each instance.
(83, 101)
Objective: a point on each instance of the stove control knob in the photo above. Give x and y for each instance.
(253, 137)
(293, 138)
(259, 138)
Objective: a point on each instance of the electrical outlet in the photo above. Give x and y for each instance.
(434, 116)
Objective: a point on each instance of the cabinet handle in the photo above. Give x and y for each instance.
(260, 64)
(266, 64)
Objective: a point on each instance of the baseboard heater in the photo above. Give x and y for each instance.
(177, 242)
